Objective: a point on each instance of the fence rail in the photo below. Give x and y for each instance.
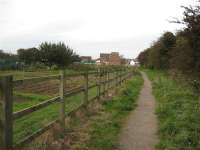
(103, 84)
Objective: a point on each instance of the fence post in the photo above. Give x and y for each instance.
(120, 77)
(116, 78)
(124, 74)
(104, 83)
(99, 84)
(86, 88)
(6, 112)
(108, 76)
(62, 100)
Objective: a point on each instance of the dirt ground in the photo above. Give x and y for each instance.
(140, 129)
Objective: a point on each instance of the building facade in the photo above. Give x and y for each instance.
(86, 59)
(112, 58)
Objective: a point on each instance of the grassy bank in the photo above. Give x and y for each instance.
(105, 128)
(178, 111)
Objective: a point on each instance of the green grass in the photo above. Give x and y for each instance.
(30, 99)
(105, 129)
(178, 111)
(27, 125)
(36, 120)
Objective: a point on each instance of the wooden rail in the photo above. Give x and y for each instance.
(7, 116)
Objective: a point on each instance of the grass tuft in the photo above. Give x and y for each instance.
(104, 131)
(178, 111)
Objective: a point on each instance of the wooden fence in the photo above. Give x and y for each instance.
(7, 116)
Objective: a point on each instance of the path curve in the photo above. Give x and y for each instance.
(140, 129)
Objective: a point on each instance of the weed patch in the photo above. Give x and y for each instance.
(178, 111)
(104, 130)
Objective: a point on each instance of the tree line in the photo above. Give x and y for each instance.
(179, 52)
(48, 54)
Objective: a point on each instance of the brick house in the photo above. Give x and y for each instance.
(104, 58)
(112, 58)
(86, 58)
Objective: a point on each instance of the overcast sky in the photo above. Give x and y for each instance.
(87, 26)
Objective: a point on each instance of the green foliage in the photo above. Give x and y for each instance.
(8, 61)
(179, 53)
(29, 56)
(182, 56)
(30, 100)
(57, 54)
(82, 67)
(53, 55)
(157, 56)
(178, 112)
(36, 120)
(105, 129)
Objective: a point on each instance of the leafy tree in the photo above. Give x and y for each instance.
(158, 55)
(142, 57)
(191, 19)
(29, 56)
(57, 54)
(167, 42)
(182, 56)
(8, 61)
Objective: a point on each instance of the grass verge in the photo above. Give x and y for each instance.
(105, 128)
(178, 111)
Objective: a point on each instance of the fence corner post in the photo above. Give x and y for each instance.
(6, 112)
(62, 100)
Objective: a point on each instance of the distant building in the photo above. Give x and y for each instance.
(110, 58)
(104, 58)
(114, 58)
(86, 59)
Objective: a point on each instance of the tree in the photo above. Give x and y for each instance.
(8, 61)
(167, 42)
(182, 56)
(178, 52)
(142, 57)
(157, 56)
(57, 54)
(29, 56)
(191, 19)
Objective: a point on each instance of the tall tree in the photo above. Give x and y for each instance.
(57, 54)
(29, 56)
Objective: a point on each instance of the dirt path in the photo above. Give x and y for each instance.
(139, 132)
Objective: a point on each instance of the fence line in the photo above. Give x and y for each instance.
(6, 101)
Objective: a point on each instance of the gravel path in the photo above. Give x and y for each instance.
(139, 132)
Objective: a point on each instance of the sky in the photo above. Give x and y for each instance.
(90, 27)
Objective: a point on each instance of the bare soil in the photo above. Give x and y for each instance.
(140, 129)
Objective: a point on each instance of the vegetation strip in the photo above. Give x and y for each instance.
(31, 125)
(178, 112)
(104, 128)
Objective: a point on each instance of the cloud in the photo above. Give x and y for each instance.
(89, 26)
(51, 31)
(3, 2)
